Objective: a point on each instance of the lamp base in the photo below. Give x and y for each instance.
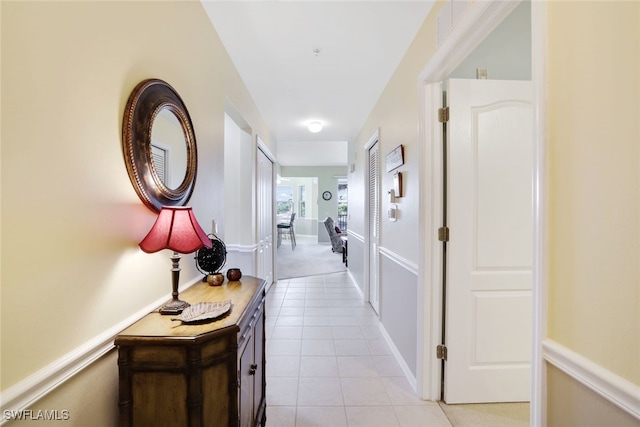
(174, 307)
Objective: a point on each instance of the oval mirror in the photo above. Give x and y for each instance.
(159, 145)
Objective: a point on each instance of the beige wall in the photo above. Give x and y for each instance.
(396, 115)
(594, 205)
(71, 221)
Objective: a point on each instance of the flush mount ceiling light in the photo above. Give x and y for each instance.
(315, 126)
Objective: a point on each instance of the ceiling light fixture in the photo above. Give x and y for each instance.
(315, 126)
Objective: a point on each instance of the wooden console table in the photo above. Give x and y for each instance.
(209, 374)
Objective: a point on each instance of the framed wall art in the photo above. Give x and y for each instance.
(395, 158)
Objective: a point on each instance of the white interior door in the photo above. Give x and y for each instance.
(265, 217)
(489, 252)
(374, 226)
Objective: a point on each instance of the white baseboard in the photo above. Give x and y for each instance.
(355, 284)
(403, 365)
(33, 388)
(620, 392)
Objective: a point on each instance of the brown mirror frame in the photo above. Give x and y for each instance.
(148, 98)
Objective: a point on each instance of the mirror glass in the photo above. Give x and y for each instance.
(169, 149)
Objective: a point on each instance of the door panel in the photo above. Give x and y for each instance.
(245, 404)
(259, 363)
(489, 253)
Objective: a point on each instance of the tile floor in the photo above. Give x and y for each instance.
(328, 364)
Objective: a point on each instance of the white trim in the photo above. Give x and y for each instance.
(539, 31)
(33, 388)
(402, 262)
(430, 269)
(374, 138)
(356, 235)
(242, 248)
(477, 22)
(263, 147)
(615, 389)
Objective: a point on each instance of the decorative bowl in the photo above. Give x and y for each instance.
(215, 279)
(234, 274)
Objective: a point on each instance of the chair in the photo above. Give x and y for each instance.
(282, 228)
(334, 235)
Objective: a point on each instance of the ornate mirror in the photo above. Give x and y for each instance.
(159, 145)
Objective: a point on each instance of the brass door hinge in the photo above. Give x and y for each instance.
(443, 234)
(443, 115)
(441, 352)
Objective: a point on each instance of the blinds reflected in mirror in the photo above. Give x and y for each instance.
(160, 158)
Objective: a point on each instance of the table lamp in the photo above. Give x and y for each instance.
(175, 228)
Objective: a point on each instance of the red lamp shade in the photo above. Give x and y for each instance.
(175, 228)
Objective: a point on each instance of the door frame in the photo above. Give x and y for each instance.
(481, 18)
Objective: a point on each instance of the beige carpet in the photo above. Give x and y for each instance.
(308, 259)
(487, 414)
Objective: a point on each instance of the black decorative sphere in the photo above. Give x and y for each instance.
(210, 260)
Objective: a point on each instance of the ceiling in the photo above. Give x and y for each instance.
(316, 60)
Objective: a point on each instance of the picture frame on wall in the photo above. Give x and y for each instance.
(395, 158)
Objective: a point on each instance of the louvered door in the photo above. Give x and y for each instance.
(374, 226)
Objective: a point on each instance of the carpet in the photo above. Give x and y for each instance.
(487, 414)
(307, 259)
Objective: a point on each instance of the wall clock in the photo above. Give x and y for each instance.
(326, 195)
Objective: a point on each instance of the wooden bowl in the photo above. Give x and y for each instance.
(234, 274)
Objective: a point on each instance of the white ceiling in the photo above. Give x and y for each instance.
(273, 45)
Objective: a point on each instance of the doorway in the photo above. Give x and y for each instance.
(476, 26)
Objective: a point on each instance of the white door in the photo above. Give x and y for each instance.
(265, 217)
(489, 252)
(374, 226)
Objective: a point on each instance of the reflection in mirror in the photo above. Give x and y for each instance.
(169, 150)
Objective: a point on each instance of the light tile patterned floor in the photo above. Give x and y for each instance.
(328, 364)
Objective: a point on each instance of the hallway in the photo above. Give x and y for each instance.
(328, 363)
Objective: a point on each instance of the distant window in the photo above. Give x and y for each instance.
(284, 199)
(301, 201)
(342, 205)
